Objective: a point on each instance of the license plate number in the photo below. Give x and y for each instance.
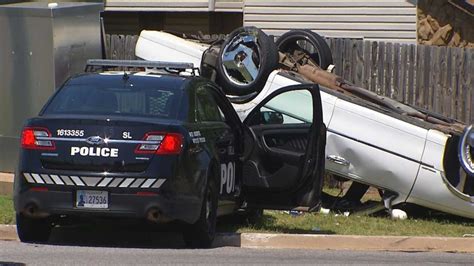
(92, 199)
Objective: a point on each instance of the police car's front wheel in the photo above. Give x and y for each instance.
(202, 233)
(32, 230)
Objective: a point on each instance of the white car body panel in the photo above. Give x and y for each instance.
(381, 150)
(162, 46)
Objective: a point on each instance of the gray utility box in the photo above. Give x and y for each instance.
(40, 47)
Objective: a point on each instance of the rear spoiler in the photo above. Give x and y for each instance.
(103, 64)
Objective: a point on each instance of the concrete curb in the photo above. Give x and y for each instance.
(6, 184)
(8, 232)
(340, 242)
(324, 242)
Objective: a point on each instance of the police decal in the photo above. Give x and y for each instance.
(227, 177)
(94, 151)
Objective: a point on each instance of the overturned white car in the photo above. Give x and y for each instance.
(410, 155)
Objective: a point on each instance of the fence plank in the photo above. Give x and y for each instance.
(411, 74)
(380, 68)
(444, 102)
(358, 58)
(366, 61)
(419, 89)
(388, 65)
(373, 70)
(403, 74)
(435, 80)
(454, 75)
(462, 89)
(470, 85)
(396, 91)
(347, 61)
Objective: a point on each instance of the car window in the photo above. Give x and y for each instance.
(87, 99)
(291, 107)
(206, 106)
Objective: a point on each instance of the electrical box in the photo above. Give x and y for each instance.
(41, 45)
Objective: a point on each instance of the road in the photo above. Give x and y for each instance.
(35, 254)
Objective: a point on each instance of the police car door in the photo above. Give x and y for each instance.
(283, 160)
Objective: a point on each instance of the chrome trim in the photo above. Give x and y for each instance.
(106, 141)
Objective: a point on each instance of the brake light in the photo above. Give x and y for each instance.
(161, 143)
(33, 138)
(171, 144)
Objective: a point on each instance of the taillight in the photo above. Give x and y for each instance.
(34, 138)
(161, 143)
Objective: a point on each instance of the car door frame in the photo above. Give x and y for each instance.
(307, 191)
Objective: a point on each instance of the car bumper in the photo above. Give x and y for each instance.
(155, 207)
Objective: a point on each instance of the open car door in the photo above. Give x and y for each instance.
(283, 160)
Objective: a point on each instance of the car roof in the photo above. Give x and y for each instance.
(110, 78)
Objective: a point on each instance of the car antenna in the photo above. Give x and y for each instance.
(125, 76)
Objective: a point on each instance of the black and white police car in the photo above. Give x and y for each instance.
(164, 145)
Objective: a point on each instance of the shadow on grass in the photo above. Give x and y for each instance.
(266, 223)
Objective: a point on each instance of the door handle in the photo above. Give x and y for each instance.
(338, 160)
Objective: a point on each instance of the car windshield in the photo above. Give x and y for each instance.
(132, 101)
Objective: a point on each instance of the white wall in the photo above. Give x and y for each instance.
(386, 20)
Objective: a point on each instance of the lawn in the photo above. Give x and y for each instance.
(315, 223)
(6, 210)
(425, 224)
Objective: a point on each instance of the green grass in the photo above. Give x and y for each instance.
(315, 223)
(6, 210)
(425, 224)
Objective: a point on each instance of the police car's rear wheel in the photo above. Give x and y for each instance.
(32, 230)
(202, 233)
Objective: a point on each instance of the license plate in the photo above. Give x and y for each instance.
(92, 199)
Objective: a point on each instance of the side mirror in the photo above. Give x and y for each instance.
(271, 117)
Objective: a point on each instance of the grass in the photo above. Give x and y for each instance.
(424, 224)
(7, 213)
(315, 223)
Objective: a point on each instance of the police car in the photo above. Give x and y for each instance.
(155, 141)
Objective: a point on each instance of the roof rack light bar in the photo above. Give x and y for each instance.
(136, 63)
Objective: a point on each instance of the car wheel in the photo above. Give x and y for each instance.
(202, 233)
(32, 230)
(245, 60)
(306, 40)
(466, 150)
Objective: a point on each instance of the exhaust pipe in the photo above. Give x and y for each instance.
(154, 215)
(31, 210)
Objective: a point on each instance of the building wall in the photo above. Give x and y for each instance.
(385, 20)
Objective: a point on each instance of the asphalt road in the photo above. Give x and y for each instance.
(36, 254)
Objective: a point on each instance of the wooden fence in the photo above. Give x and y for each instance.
(439, 79)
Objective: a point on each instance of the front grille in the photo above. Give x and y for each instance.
(97, 182)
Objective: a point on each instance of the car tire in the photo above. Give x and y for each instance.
(322, 54)
(32, 230)
(201, 234)
(466, 150)
(234, 73)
